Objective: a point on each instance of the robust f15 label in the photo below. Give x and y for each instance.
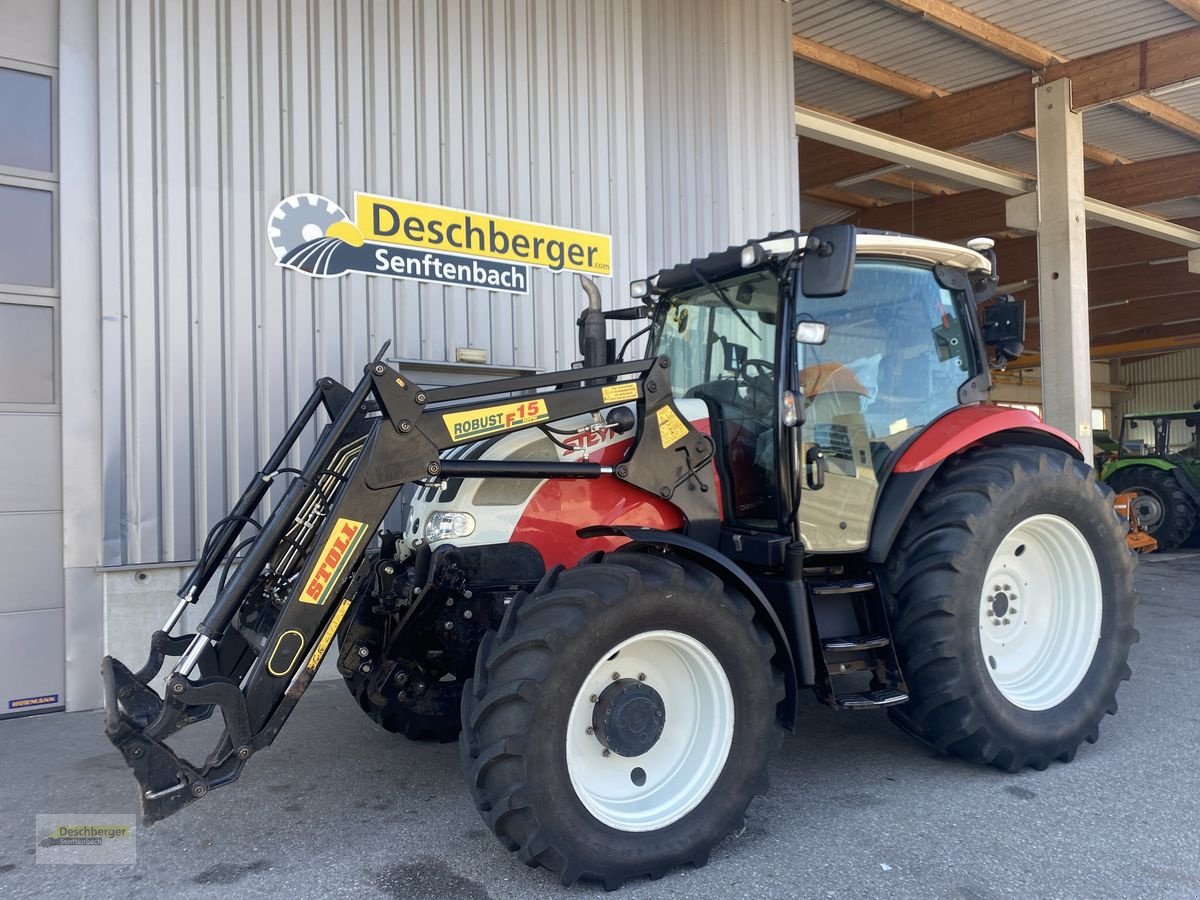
(345, 537)
(477, 423)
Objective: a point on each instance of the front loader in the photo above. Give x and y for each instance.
(611, 583)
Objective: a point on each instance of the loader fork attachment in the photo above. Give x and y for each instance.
(259, 645)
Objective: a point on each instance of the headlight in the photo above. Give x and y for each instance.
(443, 525)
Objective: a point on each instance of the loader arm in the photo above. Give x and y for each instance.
(269, 626)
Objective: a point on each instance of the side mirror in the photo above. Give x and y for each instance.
(1004, 328)
(828, 261)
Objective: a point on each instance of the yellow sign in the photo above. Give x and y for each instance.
(476, 423)
(670, 427)
(619, 393)
(345, 537)
(387, 220)
(327, 637)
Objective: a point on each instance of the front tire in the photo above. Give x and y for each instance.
(620, 721)
(1014, 600)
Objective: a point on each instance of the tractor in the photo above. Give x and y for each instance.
(611, 583)
(1165, 474)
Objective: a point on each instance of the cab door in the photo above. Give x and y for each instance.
(896, 355)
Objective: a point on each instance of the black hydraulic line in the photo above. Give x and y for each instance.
(532, 382)
(226, 605)
(259, 484)
(499, 468)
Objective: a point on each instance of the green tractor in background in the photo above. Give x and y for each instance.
(1165, 472)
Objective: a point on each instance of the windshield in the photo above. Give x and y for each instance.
(1167, 434)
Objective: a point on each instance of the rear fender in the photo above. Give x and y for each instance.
(1118, 464)
(956, 431)
(734, 576)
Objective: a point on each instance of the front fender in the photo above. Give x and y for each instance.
(956, 431)
(729, 572)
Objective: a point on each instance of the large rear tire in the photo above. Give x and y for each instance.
(1014, 598)
(620, 721)
(1162, 507)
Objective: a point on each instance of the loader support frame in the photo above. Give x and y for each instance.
(260, 643)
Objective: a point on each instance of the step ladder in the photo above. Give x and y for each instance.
(861, 670)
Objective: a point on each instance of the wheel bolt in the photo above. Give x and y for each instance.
(1006, 622)
(995, 621)
(641, 676)
(1008, 587)
(467, 614)
(449, 626)
(593, 698)
(591, 730)
(606, 753)
(616, 676)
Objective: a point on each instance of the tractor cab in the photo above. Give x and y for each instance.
(901, 348)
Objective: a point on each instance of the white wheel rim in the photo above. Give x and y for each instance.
(1040, 612)
(676, 773)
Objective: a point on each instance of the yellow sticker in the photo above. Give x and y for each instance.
(331, 562)
(476, 423)
(619, 393)
(670, 426)
(327, 637)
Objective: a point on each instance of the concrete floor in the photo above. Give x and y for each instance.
(339, 808)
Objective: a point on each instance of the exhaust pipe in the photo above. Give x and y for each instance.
(593, 335)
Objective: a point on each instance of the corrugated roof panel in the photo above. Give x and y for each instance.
(900, 42)
(819, 86)
(1007, 150)
(818, 212)
(1131, 135)
(1185, 97)
(887, 193)
(1184, 208)
(1081, 29)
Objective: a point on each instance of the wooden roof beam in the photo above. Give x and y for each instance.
(864, 70)
(1037, 56)
(1006, 106)
(982, 212)
(1113, 247)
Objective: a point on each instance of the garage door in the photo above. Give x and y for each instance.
(31, 591)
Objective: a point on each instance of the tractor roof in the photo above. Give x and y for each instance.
(882, 244)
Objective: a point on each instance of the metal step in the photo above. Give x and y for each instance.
(847, 586)
(872, 699)
(854, 642)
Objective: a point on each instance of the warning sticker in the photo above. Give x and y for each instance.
(670, 427)
(619, 393)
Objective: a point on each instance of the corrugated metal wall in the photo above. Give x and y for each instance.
(1162, 382)
(667, 124)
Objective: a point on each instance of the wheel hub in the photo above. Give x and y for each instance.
(628, 717)
(1148, 509)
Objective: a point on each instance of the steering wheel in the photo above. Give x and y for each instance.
(759, 385)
